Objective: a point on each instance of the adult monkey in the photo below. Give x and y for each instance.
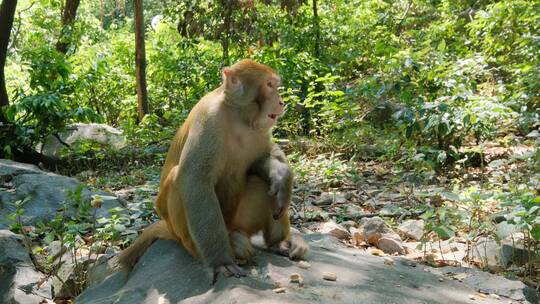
(224, 179)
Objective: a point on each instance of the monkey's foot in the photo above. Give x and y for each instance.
(241, 246)
(295, 248)
(228, 270)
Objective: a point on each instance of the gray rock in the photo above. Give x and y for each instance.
(70, 275)
(486, 252)
(328, 198)
(373, 229)
(100, 133)
(10, 168)
(390, 243)
(513, 254)
(167, 274)
(54, 250)
(103, 267)
(496, 163)
(352, 210)
(18, 279)
(489, 283)
(413, 229)
(335, 230)
(46, 192)
(349, 224)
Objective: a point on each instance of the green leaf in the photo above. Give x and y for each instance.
(533, 210)
(444, 232)
(442, 46)
(119, 227)
(504, 229)
(451, 196)
(535, 232)
(49, 238)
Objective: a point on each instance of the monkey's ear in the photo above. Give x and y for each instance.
(232, 81)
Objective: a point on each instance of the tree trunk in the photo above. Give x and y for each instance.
(7, 13)
(68, 17)
(317, 29)
(140, 61)
(227, 12)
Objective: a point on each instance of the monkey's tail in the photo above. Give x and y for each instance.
(129, 257)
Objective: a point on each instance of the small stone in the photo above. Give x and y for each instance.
(495, 296)
(254, 272)
(328, 198)
(277, 284)
(296, 278)
(304, 265)
(329, 276)
(373, 229)
(472, 297)
(460, 276)
(279, 290)
(441, 279)
(357, 236)
(335, 230)
(413, 229)
(388, 261)
(390, 245)
(398, 285)
(349, 225)
(377, 252)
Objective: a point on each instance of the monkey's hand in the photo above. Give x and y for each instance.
(274, 169)
(228, 270)
(294, 248)
(280, 187)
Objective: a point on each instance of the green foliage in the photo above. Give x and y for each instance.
(449, 72)
(523, 211)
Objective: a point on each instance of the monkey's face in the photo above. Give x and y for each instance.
(252, 88)
(270, 102)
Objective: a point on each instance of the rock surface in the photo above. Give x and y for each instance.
(376, 232)
(46, 192)
(390, 243)
(100, 133)
(18, 279)
(413, 229)
(488, 283)
(373, 229)
(486, 253)
(167, 274)
(335, 230)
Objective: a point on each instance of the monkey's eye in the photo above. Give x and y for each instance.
(270, 84)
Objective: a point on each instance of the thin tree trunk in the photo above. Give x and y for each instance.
(68, 17)
(317, 29)
(101, 13)
(227, 12)
(140, 61)
(7, 13)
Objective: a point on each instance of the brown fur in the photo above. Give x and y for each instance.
(223, 179)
